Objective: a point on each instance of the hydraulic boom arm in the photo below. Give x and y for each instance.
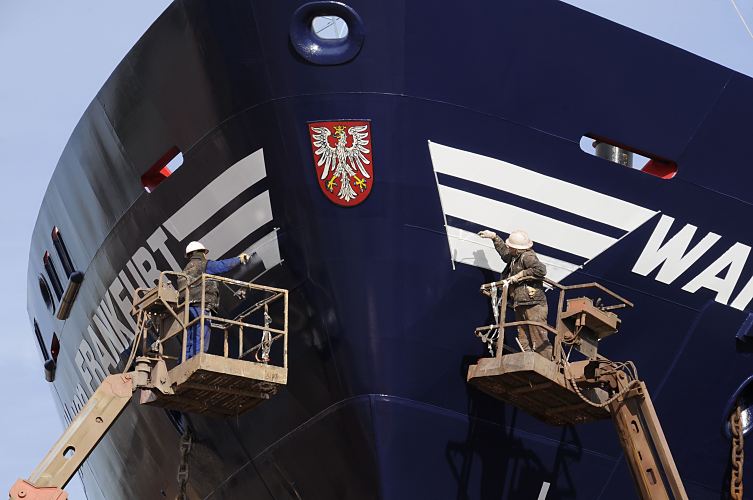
(642, 439)
(559, 391)
(47, 480)
(163, 311)
(644, 445)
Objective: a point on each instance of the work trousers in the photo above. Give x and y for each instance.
(193, 340)
(531, 337)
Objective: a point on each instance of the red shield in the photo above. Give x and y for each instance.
(342, 157)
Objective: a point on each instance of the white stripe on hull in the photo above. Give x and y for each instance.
(469, 248)
(532, 185)
(507, 218)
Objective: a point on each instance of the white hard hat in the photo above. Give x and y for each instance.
(519, 240)
(195, 246)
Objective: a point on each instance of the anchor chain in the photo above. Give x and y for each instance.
(186, 443)
(737, 456)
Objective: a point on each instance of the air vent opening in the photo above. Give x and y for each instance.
(628, 157)
(162, 169)
(62, 251)
(329, 27)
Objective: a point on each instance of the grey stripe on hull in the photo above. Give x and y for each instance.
(244, 221)
(267, 249)
(231, 183)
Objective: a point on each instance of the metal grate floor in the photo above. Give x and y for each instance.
(535, 385)
(220, 386)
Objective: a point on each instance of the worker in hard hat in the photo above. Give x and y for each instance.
(524, 273)
(198, 264)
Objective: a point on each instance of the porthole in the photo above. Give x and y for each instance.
(329, 27)
(44, 290)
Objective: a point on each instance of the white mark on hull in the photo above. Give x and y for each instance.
(544, 491)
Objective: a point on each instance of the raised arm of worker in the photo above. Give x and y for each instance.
(499, 245)
(225, 265)
(529, 262)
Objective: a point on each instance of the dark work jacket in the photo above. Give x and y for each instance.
(198, 265)
(526, 292)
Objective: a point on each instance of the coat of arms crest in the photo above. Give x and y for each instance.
(343, 161)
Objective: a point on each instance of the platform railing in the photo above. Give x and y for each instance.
(498, 291)
(259, 312)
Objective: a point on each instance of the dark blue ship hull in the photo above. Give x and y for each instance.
(383, 309)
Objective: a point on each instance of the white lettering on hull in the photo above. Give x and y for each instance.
(157, 243)
(671, 255)
(111, 328)
(673, 258)
(734, 259)
(107, 357)
(513, 196)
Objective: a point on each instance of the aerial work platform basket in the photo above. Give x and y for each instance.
(230, 377)
(208, 383)
(554, 387)
(536, 385)
(546, 387)
(242, 368)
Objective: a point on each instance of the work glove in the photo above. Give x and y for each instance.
(515, 278)
(487, 234)
(243, 257)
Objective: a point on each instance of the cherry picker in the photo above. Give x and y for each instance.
(244, 375)
(562, 391)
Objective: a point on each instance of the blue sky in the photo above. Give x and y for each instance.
(54, 57)
(710, 28)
